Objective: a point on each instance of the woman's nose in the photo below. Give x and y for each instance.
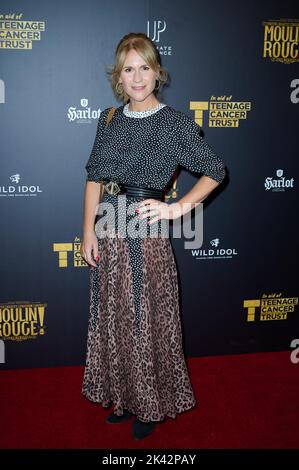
(137, 77)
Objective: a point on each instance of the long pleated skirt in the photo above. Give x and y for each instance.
(135, 359)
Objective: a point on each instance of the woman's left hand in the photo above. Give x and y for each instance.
(158, 210)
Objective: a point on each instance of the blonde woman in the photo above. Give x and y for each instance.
(135, 360)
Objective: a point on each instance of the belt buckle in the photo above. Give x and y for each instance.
(112, 188)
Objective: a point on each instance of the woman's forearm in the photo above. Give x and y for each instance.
(204, 186)
(92, 195)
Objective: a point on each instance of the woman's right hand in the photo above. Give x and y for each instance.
(89, 248)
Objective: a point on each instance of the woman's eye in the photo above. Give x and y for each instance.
(144, 68)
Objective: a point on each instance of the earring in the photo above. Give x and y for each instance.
(159, 83)
(119, 92)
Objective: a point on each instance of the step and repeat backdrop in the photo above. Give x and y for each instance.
(234, 68)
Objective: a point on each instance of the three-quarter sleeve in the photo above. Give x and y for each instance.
(92, 165)
(194, 153)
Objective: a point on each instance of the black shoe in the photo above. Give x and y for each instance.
(141, 429)
(114, 419)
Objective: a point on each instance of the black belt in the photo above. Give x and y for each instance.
(115, 188)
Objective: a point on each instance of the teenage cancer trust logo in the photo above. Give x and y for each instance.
(270, 307)
(69, 254)
(20, 321)
(17, 33)
(221, 111)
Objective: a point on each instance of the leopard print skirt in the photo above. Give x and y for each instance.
(143, 371)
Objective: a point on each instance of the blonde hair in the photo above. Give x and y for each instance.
(144, 46)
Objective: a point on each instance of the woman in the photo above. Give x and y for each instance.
(135, 357)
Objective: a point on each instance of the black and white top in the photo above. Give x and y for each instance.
(147, 151)
(141, 114)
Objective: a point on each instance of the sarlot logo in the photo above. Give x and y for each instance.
(281, 183)
(84, 113)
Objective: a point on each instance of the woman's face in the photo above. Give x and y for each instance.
(137, 77)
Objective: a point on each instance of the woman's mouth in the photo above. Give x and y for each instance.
(138, 87)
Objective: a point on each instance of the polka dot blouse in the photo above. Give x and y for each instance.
(145, 148)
